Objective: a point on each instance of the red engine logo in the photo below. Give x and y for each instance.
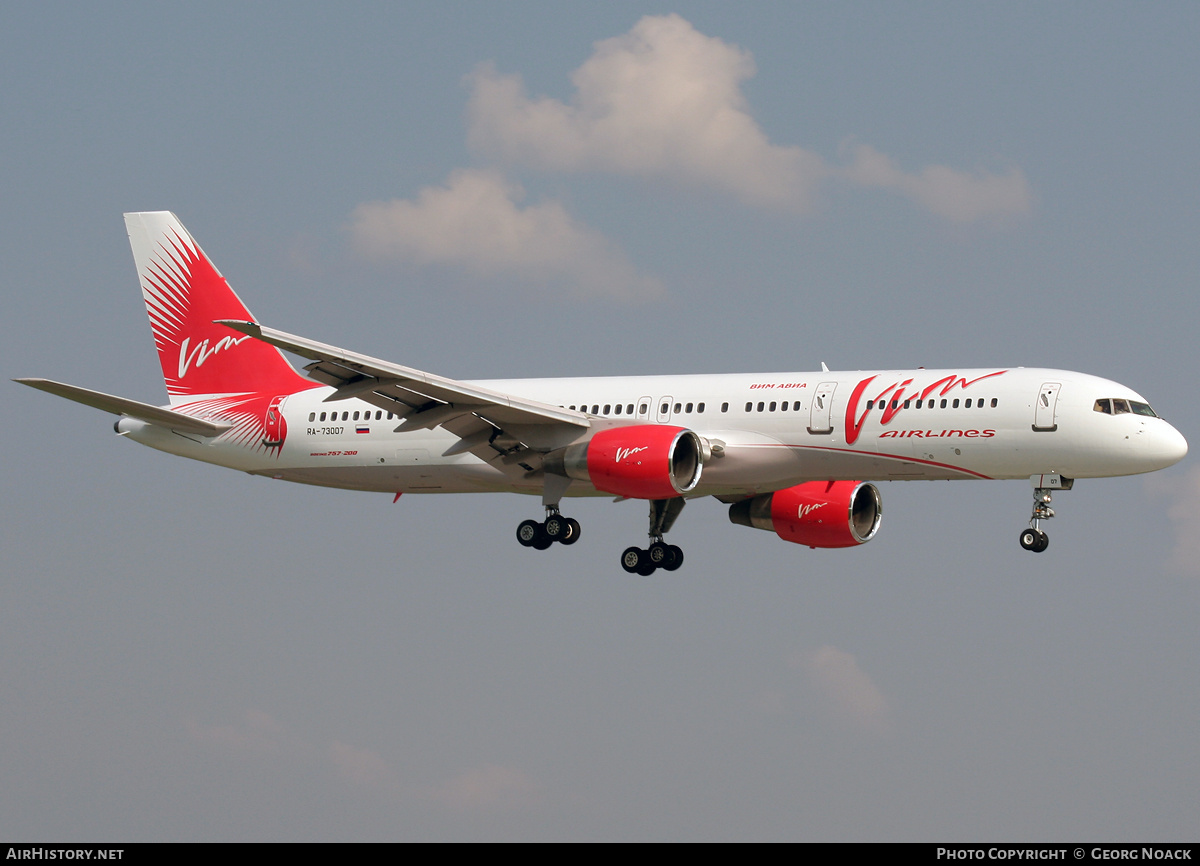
(816, 514)
(645, 461)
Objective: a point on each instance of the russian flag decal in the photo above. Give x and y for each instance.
(361, 428)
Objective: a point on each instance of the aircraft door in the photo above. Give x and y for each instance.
(820, 415)
(664, 409)
(1044, 409)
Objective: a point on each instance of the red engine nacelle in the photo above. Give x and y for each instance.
(644, 461)
(819, 513)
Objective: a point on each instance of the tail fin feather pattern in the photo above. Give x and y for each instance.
(184, 292)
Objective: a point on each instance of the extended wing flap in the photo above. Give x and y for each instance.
(132, 408)
(414, 391)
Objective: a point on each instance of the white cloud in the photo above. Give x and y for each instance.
(956, 195)
(259, 733)
(665, 100)
(361, 766)
(850, 692)
(1184, 512)
(475, 223)
(489, 786)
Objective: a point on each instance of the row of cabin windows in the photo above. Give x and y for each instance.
(771, 407)
(643, 408)
(350, 416)
(609, 409)
(871, 404)
(688, 408)
(929, 404)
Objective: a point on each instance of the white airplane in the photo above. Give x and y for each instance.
(777, 447)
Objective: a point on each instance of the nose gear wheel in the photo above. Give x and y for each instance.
(1034, 538)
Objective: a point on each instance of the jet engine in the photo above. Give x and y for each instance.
(644, 461)
(818, 513)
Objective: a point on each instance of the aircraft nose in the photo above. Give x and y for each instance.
(1178, 447)
(1167, 446)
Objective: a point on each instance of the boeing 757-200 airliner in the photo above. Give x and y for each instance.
(779, 448)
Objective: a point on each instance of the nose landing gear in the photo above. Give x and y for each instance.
(1034, 538)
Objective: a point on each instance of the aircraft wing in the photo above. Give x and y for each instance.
(480, 417)
(122, 406)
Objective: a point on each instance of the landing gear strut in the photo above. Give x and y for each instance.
(659, 554)
(539, 536)
(1034, 538)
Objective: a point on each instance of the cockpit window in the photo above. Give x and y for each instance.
(1117, 406)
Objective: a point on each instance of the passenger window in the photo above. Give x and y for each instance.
(895, 404)
(687, 409)
(724, 407)
(870, 404)
(796, 406)
(618, 409)
(760, 406)
(968, 402)
(642, 409)
(918, 403)
(772, 406)
(676, 408)
(312, 416)
(993, 402)
(943, 402)
(322, 416)
(596, 409)
(607, 408)
(662, 410)
(629, 409)
(955, 405)
(906, 402)
(783, 406)
(749, 406)
(355, 416)
(699, 408)
(345, 416)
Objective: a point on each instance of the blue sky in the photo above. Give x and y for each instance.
(540, 189)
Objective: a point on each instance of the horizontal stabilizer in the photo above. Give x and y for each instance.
(132, 408)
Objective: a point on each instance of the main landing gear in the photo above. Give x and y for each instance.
(635, 560)
(539, 536)
(1034, 538)
(659, 554)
